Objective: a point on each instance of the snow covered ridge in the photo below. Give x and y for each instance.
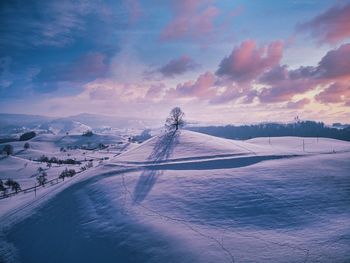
(184, 197)
(188, 145)
(11, 124)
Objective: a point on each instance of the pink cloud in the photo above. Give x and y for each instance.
(336, 63)
(285, 90)
(202, 88)
(275, 74)
(335, 93)
(178, 66)
(155, 91)
(331, 26)
(248, 61)
(231, 92)
(193, 19)
(284, 83)
(298, 104)
(248, 65)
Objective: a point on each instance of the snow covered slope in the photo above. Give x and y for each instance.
(186, 145)
(194, 198)
(23, 166)
(63, 126)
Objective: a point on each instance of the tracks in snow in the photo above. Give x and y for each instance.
(227, 161)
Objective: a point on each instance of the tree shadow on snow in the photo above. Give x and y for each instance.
(162, 150)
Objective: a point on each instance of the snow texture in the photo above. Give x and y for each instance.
(188, 197)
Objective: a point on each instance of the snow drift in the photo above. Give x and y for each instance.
(197, 198)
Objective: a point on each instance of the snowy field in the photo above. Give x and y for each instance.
(184, 198)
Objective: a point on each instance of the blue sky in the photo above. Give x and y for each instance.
(221, 61)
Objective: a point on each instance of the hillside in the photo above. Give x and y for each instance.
(192, 197)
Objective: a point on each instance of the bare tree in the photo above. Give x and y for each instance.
(16, 187)
(175, 119)
(41, 178)
(13, 185)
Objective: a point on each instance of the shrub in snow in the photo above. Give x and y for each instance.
(27, 136)
(67, 173)
(26, 145)
(2, 186)
(53, 160)
(88, 133)
(86, 166)
(8, 149)
(16, 187)
(9, 182)
(62, 175)
(68, 161)
(175, 119)
(101, 146)
(43, 159)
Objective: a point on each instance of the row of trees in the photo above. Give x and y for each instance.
(9, 184)
(45, 159)
(42, 175)
(67, 173)
(300, 128)
(41, 179)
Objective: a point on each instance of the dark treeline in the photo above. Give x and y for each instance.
(303, 129)
(24, 137)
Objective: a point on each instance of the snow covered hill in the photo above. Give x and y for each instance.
(191, 197)
(63, 126)
(187, 146)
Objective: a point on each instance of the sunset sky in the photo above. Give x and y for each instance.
(221, 61)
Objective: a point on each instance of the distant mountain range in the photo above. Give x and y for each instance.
(18, 123)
